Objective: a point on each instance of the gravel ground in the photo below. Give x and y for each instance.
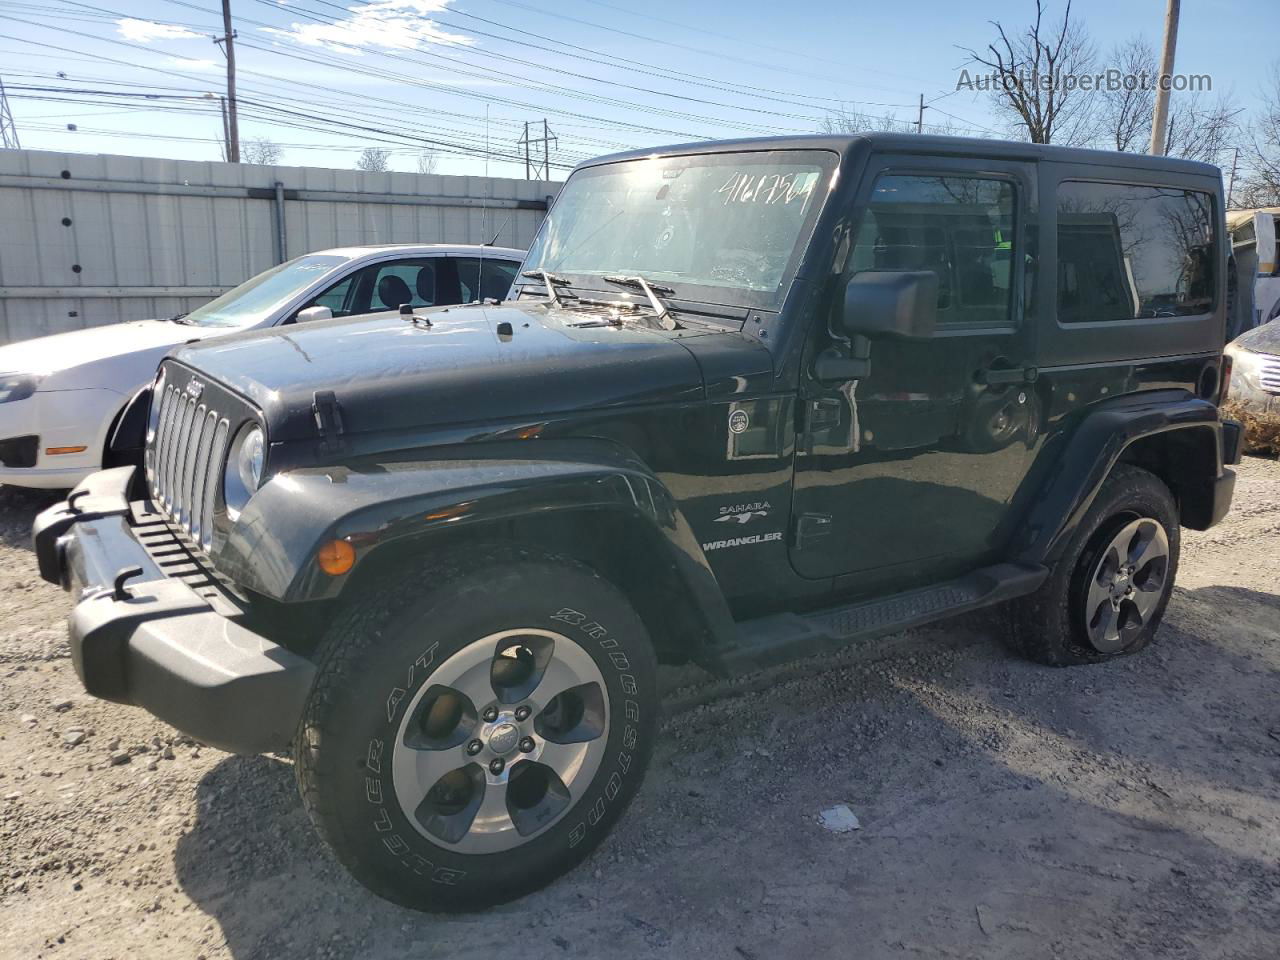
(1130, 810)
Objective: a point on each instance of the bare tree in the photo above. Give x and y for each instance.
(843, 120)
(427, 161)
(261, 150)
(1125, 114)
(1199, 128)
(373, 160)
(1033, 73)
(1261, 186)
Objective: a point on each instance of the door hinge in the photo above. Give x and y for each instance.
(809, 527)
(820, 415)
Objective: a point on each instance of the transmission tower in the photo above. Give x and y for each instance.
(535, 169)
(8, 130)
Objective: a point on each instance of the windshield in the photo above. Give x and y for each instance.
(257, 298)
(728, 225)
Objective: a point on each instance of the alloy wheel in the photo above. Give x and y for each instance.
(1126, 585)
(500, 742)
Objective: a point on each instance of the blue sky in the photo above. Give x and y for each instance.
(325, 78)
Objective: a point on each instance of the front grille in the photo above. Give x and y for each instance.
(1270, 375)
(185, 459)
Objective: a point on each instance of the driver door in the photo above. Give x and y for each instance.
(908, 474)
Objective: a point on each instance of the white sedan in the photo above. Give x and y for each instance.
(60, 395)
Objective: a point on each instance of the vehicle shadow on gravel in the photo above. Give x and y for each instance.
(18, 509)
(1001, 803)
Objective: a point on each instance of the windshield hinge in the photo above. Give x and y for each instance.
(328, 415)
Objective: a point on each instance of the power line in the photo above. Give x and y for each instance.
(635, 66)
(413, 57)
(293, 118)
(569, 73)
(397, 77)
(671, 43)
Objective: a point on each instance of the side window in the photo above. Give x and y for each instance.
(1127, 252)
(495, 283)
(336, 297)
(961, 228)
(404, 281)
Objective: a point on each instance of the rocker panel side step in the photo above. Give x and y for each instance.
(769, 641)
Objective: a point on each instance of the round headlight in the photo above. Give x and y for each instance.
(249, 459)
(244, 469)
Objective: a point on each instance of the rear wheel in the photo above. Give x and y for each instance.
(1107, 594)
(474, 732)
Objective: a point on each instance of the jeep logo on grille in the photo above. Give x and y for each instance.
(194, 389)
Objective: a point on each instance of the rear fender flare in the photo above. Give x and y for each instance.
(1120, 429)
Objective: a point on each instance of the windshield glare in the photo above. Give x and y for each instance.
(257, 298)
(729, 224)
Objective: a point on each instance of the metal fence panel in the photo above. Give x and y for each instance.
(91, 240)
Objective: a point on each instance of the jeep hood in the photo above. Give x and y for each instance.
(388, 373)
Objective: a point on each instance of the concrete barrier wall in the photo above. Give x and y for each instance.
(90, 240)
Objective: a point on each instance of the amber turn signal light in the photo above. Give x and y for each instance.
(56, 451)
(336, 557)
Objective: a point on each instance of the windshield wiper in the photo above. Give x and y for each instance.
(177, 318)
(551, 280)
(665, 320)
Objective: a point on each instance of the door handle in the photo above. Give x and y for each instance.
(997, 377)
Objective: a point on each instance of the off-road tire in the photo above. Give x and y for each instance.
(387, 646)
(1048, 626)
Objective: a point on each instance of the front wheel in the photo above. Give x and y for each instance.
(474, 732)
(1107, 594)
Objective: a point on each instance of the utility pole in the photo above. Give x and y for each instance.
(1160, 122)
(920, 116)
(1231, 184)
(531, 165)
(8, 129)
(226, 133)
(226, 41)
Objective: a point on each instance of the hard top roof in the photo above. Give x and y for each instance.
(927, 144)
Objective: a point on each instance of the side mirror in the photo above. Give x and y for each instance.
(898, 304)
(313, 313)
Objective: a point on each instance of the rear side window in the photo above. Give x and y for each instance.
(1127, 252)
(961, 228)
(405, 281)
(493, 284)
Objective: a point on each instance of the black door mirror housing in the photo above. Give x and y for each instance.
(902, 304)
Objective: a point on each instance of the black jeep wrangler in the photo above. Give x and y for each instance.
(749, 401)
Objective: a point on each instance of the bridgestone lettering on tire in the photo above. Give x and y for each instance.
(476, 729)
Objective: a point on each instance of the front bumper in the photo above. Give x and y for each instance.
(142, 634)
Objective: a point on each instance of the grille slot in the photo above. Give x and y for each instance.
(1270, 376)
(190, 448)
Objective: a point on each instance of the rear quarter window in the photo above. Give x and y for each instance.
(1130, 252)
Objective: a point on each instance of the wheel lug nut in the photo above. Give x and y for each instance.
(496, 765)
(490, 714)
(522, 713)
(474, 747)
(526, 745)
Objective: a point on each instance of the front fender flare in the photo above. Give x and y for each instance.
(373, 504)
